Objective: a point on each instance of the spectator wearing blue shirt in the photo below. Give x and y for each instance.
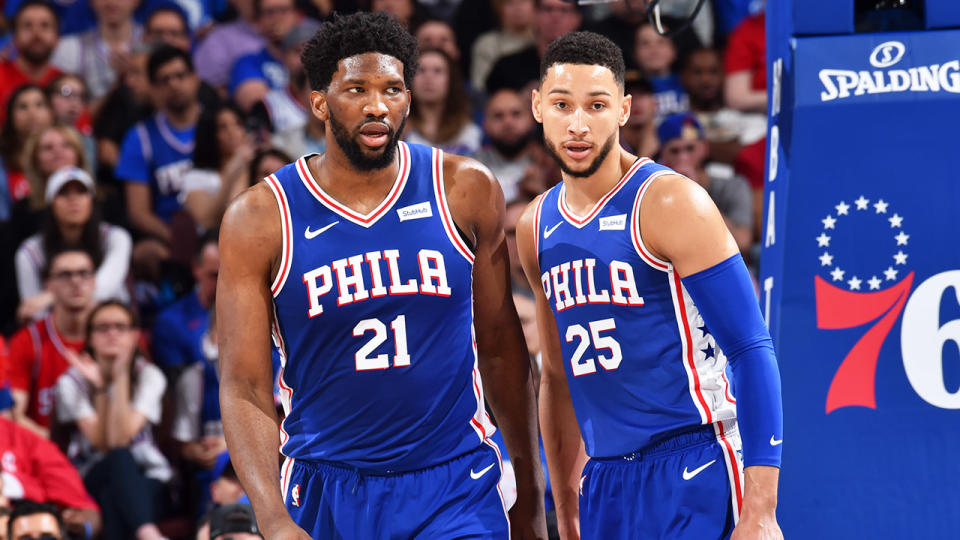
(179, 329)
(155, 154)
(256, 74)
(655, 56)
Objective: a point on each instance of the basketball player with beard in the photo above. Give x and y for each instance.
(380, 271)
(643, 301)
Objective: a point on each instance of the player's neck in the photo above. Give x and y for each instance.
(360, 190)
(582, 193)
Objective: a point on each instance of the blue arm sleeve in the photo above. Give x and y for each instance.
(725, 296)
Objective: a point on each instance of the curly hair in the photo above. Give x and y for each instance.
(585, 48)
(354, 34)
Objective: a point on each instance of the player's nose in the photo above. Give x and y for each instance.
(375, 105)
(578, 125)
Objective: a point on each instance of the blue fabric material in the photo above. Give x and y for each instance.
(725, 296)
(679, 489)
(178, 333)
(455, 499)
(261, 65)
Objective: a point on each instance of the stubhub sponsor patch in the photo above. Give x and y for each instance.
(416, 211)
(613, 223)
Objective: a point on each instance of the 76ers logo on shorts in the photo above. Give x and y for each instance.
(862, 278)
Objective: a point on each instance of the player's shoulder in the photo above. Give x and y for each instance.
(468, 173)
(253, 214)
(674, 194)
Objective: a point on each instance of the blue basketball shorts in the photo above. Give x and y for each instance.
(459, 498)
(686, 487)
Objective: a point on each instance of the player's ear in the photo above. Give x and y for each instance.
(318, 103)
(535, 105)
(625, 109)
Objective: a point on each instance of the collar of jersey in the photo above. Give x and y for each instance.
(364, 220)
(579, 222)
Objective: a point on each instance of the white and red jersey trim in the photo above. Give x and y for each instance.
(729, 438)
(536, 226)
(286, 251)
(579, 222)
(440, 191)
(638, 245)
(364, 220)
(686, 340)
(503, 499)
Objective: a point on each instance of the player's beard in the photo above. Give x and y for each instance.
(594, 165)
(355, 153)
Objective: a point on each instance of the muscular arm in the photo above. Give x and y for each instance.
(680, 223)
(476, 201)
(562, 443)
(250, 240)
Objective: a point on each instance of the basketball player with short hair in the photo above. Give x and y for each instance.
(381, 270)
(642, 297)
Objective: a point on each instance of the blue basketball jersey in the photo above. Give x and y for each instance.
(640, 363)
(374, 321)
(156, 153)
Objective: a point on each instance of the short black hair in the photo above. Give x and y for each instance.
(163, 55)
(171, 7)
(358, 33)
(45, 271)
(586, 48)
(28, 508)
(27, 4)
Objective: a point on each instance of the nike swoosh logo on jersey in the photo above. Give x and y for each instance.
(687, 475)
(547, 232)
(774, 441)
(477, 475)
(308, 234)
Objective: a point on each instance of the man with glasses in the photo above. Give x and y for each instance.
(34, 521)
(156, 153)
(684, 149)
(41, 351)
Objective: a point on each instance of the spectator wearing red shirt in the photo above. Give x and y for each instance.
(43, 350)
(35, 36)
(34, 468)
(746, 66)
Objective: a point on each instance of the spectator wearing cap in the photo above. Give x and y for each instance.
(72, 221)
(517, 32)
(35, 36)
(285, 112)
(683, 148)
(655, 56)
(639, 134)
(235, 521)
(35, 521)
(35, 469)
(99, 53)
(252, 76)
(108, 402)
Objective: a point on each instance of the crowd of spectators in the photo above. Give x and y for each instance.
(128, 127)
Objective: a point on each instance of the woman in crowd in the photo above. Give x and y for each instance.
(28, 112)
(68, 98)
(440, 112)
(221, 160)
(71, 221)
(108, 401)
(47, 151)
(267, 162)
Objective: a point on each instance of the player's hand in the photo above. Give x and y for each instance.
(756, 525)
(286, 530)
(527, 518)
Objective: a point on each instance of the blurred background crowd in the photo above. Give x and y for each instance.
(127, 128)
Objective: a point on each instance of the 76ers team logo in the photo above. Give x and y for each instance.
(871, 286)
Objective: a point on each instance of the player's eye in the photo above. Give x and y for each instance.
(560, 105)
(355, 90)
(598, 106)
(394, 90)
